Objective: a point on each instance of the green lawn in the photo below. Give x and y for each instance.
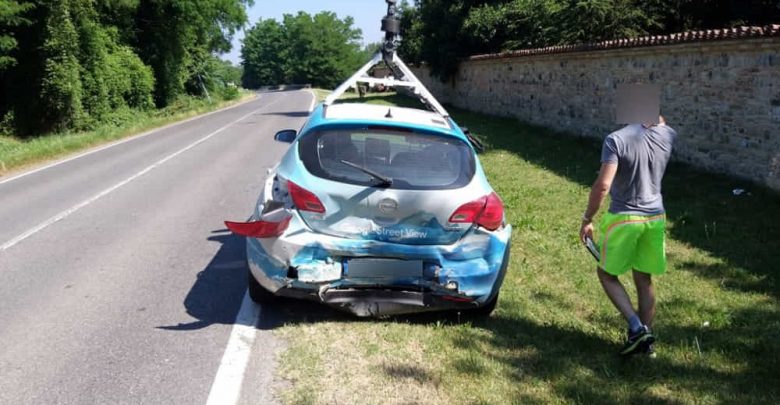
(17, 153)
(554, 335)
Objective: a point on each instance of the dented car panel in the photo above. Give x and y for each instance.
(309, 263)
(408, 249)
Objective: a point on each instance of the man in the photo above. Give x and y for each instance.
(633, 161)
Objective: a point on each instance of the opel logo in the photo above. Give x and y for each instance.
(388, 205)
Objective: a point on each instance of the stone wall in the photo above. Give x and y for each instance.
(722, 97)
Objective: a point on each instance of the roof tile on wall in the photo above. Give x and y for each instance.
(652, 40)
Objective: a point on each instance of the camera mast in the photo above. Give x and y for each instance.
(403, 78)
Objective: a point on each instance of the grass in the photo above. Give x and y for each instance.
(16, 153)
(554, 335)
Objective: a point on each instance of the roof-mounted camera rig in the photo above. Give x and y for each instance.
(402, 76)
(391, 26)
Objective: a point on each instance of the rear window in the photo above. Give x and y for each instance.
(412, 160)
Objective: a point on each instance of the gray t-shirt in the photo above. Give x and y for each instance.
(641, 155)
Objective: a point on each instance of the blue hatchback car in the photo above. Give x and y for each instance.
(377, 211)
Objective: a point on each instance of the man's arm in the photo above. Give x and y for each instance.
(597, 193)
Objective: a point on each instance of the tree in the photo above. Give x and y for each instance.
(263, 54)
(171, 34)
(410, 48)
(61, 86)
(69, 64)
(11, 15)
(321, 50)
(442, 32)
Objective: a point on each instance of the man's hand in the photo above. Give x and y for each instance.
(586, 230)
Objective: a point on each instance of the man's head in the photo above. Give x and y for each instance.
(638, 104)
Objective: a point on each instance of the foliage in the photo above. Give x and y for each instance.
(175, 37)
(70, 63)
(214, 75)
(410, 48)
(441, 32)
(11, 15)
(262, 54)
(61, 85)
(321, 50)
(16, 153)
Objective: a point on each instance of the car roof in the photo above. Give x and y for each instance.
(372, 114)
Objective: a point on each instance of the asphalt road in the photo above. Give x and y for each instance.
(118, 281)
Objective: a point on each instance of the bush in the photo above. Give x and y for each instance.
(229, 92)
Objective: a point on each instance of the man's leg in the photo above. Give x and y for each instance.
(639, 336)
(646, 297)
(618, 250)
(616, 293)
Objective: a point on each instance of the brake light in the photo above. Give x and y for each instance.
(468, 212)
(487, 212)
(304, 199)
(493, 214)
(258, 229)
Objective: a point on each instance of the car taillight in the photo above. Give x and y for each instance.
(468, 212)
(304, 199)
(258, 229)
(493, 214)
(487, 212)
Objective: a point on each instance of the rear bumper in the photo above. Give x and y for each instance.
(374, 302)
(301, 264)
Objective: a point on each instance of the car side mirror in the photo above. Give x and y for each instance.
(287, 135)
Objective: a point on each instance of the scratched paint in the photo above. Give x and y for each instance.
(315, 250)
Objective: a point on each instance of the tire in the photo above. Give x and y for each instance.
(258, 293)
(485, 310)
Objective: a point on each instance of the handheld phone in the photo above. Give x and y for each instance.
(593, 249)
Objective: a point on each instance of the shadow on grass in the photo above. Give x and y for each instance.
(744, 231)
(409, 372)
(585, 368)
(582, 367)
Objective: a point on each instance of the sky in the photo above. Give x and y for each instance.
(366, 13)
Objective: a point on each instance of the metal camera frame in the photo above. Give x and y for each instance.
(402, 76)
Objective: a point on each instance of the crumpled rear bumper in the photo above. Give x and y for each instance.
(302, 264)
(381, 302)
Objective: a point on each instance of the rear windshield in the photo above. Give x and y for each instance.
(411, 160)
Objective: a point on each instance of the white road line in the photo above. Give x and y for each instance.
(111, 145)
(96, 197)
(226, 389)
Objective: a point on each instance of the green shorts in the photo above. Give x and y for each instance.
(633, 242)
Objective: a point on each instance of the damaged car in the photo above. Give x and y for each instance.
(379, 210)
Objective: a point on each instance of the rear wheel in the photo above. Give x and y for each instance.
(485, 310)
(257, 292)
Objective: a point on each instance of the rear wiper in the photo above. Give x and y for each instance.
(384, 180)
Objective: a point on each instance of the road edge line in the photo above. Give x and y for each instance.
(226, 388)
(64, 214)
(122, 141)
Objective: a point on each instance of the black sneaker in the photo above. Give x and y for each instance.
(638, 341)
